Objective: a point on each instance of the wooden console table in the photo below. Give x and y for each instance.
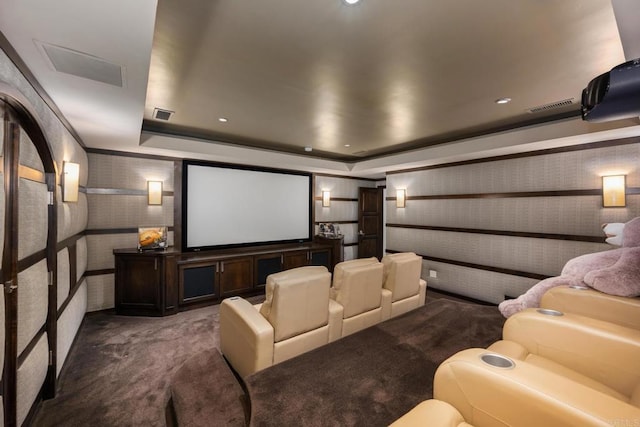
(166, 282)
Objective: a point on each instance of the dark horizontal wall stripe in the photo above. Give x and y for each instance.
(350, 244)
(31, 260)
(69, 241)
(25, 172)
(72, 293)
(581, 147)
(550, 193)
(482, 267)
(337, 199)
(572, 237)
(96, 231)
(348, 177)
(27, 350)
(100, 272)
(122, 192)
(336, 222)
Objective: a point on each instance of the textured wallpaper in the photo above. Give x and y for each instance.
(555, 214)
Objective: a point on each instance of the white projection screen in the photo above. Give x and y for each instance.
(228, 206)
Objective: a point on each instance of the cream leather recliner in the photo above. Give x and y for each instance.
(401, 276)
(597, 354)
(432, 413)
(491, 390)
(357, 287)
(297, 316)
(591, 303)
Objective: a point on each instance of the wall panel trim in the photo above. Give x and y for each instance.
(571, 237)
(122, 192)
(124, 230)
(481, 267)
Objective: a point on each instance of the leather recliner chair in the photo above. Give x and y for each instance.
(591, 303)
(597, 354)
(357, 287)
(297, 316)
(401, 276)
(432, 413)
(492, 390)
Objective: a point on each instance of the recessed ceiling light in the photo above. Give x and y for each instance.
(223, 120)
(351, 1)
(308, 149)
(347, 145)
(503, 100)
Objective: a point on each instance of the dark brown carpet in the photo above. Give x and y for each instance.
(375, 376)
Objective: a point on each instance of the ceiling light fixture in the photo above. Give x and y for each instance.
(351, 1)
(347, 145)
(503, 100)
(222, 120)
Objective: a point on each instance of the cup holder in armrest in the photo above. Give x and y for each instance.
(497, 360)
(549, 312)
(578, 287)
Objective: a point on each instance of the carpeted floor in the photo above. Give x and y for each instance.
(118, 372)
(373, 377)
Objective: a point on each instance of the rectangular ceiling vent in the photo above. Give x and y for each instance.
(160, 114)
(83, 65)
(552, 106)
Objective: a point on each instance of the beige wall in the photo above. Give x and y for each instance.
(573, 215)
(117, 199)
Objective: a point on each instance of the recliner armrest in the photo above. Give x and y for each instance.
(246, 337)
(336, 313)
(423, 291)
(386, 302)
(523, 395)
(431, 413)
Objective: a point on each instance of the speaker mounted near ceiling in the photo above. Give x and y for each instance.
(83, 65)
(613, 95)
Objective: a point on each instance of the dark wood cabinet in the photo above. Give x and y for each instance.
(140, 280)
(162, 283)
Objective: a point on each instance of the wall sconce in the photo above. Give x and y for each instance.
(613, 191)
(401, 199)
(154, 189)
(70, 181)
(326, 199)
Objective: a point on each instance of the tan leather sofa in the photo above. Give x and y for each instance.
(521, 394)
(401, 276)
(297, 316)
(591, 303)
(357, 287)
(432, 413)
(597, 354)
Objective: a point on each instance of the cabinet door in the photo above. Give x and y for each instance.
(321, 257)
(236, 276)
(138, 284)
(266, 265)
(198, 282)
(295, 259)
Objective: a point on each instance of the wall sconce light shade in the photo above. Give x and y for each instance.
(70, 181)
(401, 199)
(155, 192)
(613, 191)
(326, 199)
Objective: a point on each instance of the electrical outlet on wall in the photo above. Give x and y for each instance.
(433, 273)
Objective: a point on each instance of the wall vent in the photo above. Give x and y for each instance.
(551, 106)
(81, 64)
(161, 114)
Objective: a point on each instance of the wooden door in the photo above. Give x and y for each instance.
(236, 276)
(370, 222)
(29, 263)
(295, 259)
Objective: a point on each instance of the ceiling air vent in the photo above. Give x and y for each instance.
(82, 64)
(160, 114)
(552, 106)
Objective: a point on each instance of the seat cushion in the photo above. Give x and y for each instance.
(402, 274)
(297, 303)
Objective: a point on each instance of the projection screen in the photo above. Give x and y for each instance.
(227, 206)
